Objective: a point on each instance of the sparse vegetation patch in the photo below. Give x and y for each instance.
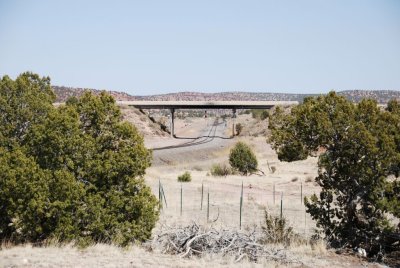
(185, 177)
(221, 170)
(277, 231)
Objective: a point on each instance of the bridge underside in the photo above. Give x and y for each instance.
(206, 105)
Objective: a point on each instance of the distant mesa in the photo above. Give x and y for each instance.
(381, 96)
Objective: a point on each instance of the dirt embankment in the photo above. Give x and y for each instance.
(143, 123)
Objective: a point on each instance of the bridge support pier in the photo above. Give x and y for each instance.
(172, 110)
(233, 122)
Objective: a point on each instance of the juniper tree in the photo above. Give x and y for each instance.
(358, 146)
(243, 159)
(74, 172)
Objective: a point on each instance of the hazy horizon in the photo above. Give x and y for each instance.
(159, 47)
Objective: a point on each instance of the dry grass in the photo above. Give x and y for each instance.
(102, 255)
(99, 255)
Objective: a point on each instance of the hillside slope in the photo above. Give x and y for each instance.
(142, 122)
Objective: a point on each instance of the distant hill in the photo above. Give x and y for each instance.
(227, 96)
(382, 96)
(63, 93)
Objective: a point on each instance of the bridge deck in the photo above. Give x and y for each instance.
(206, 104)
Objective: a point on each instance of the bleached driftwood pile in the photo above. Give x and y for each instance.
(195, 240)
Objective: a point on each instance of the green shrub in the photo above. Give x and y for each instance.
(260, 114)
(276, 231)
(264, 115)
(221, 170)
(243, 159)
(72, 173)
(185, 177)
(239, 128)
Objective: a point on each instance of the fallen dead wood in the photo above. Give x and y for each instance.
(195, 240)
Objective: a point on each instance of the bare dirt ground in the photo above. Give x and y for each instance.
(200, 143)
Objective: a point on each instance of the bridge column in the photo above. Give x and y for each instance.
(233, 122)
(172, 110)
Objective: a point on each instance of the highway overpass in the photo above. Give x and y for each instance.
(206, 104)
(234, 105)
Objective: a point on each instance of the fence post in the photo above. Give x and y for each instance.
(181, 199)
(202, 189)
(281, 204)
(305, 220)
(208, 205)
(240, 211)
(163, 195)
(301, 193)
(159, 195)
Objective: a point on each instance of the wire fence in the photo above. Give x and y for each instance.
(235, 206)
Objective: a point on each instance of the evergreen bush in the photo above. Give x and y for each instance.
(358, 146)
(243, 159)
(185, 177)
(72, 173)
(239, 128)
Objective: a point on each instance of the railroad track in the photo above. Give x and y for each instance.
(196, 141)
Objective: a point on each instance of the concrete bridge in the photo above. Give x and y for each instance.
(234, 105)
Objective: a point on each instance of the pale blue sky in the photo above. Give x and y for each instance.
(148, 47)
